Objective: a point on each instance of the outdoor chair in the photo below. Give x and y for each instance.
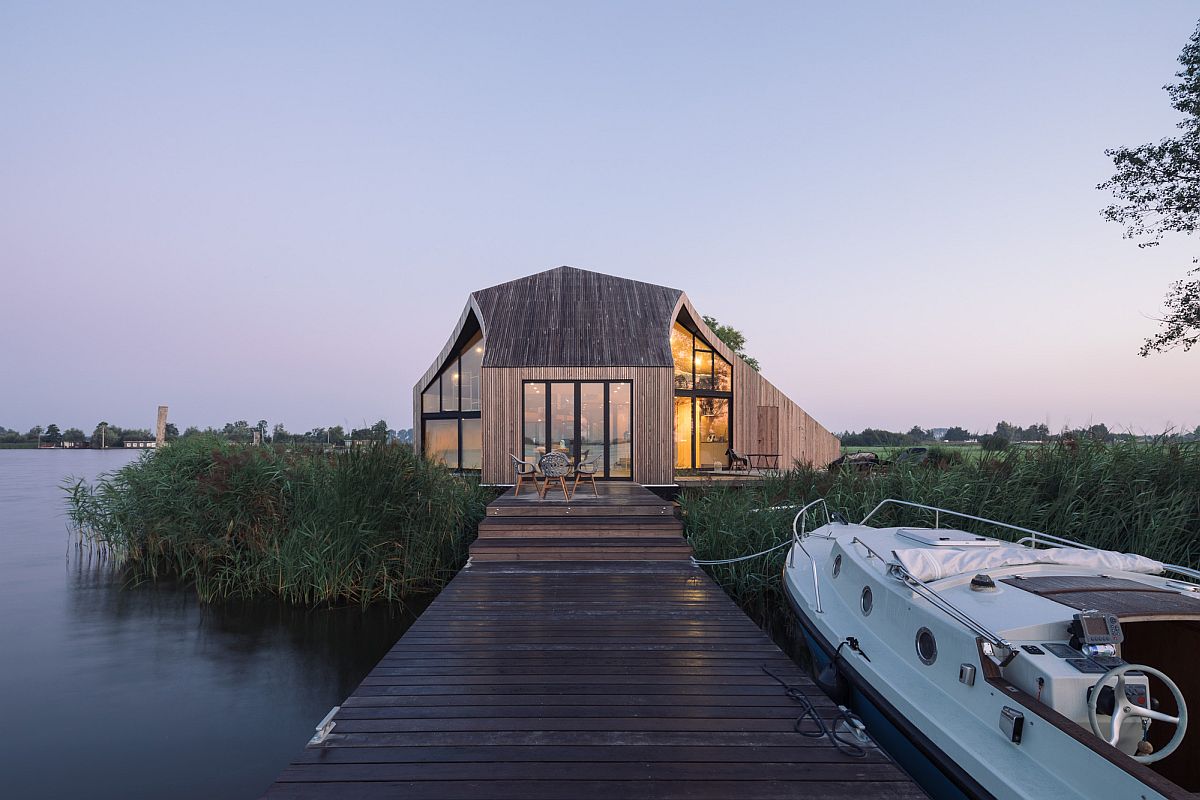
(586, 471)
(522, 471)
(737, 461)
(554, 467)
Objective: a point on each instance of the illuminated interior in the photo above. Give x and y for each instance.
(450, 410)
(703, 401)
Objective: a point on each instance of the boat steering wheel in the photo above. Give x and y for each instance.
(1124, 707)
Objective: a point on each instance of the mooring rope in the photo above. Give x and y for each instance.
(699, 563)
(844, 746)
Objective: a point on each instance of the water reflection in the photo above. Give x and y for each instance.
(141, 691)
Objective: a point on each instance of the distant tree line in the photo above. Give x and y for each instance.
(1001, 437)
(107, 435)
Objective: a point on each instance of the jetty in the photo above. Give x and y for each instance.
(581, 654)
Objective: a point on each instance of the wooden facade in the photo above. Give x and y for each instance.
(573, 325)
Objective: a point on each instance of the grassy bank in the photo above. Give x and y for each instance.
(372, 524)
(1129, 497)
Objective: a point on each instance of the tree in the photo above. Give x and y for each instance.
(336, 435)
(279, 434)
(957, 434)
(100, 435)
(993, 443)
(919, 434)
(379, 431)
(73, 435)
(1157, 187)
(52, 434)
(172, 432)
(734, 339)
(1099, 432)
(34, 433)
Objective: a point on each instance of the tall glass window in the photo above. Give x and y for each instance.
(472, 443)
(703, 401)
(441, 441)
(471, 374)
(450, 409)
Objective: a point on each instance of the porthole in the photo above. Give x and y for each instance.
(926, 646)
(867, 601)
(837, 565)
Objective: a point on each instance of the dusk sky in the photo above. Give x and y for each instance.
(277, 210)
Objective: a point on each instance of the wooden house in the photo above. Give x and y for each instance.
(603, 368)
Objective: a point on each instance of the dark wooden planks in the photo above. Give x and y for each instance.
(582, 679)
(571, 317)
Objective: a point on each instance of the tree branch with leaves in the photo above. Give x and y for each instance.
(1157, 190)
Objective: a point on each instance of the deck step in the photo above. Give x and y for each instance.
(582, 527)
(610, 548)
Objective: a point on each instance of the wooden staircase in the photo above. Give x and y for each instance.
(626, 522)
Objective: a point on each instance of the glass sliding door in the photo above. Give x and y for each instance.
(534, 436)
(620, 430)
(585, 420)
(562, 418)
(712, 431)
(591, 422)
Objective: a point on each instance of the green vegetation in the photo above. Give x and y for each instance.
(369, 524)
(1128, 496)
(1157, 188)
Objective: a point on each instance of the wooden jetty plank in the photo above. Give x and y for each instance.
(588, 677)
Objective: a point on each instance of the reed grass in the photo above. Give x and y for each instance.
(234, 521)
(1131, 497)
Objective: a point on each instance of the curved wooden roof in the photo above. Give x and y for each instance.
(568, 317)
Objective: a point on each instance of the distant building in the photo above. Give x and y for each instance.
(140, 444)
(84, 445)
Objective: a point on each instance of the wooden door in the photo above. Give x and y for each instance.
(767, 430)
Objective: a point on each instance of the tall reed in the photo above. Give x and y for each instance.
(1133, 497)
(378, 523)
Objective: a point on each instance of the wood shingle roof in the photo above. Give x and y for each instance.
(568, 317)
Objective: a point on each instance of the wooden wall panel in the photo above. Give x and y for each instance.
(653, 420)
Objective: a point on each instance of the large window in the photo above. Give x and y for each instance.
(703, 402)
(586, 420)
(450, 410)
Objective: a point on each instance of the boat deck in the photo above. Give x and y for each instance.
(582, 678)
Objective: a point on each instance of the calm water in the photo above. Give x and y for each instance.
(109, 691)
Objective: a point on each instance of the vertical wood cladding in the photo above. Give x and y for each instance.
(653, 420)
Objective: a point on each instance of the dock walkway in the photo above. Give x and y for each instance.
(549, 668)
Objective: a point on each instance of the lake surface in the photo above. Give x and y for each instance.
(111, 691)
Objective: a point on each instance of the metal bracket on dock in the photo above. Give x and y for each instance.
(324, 727)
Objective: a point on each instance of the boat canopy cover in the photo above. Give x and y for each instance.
(928, 564)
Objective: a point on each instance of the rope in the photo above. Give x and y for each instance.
(819, 730)
(740, 558)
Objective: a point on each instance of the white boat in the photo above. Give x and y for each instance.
(1038, 668)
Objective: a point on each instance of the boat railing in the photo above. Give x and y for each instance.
(800, 532)
(1050, 539)
(937, 518)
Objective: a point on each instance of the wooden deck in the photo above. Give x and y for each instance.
(582, 676)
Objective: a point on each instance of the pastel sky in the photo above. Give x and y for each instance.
(277, 210)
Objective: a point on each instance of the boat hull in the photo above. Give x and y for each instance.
(936, 772)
